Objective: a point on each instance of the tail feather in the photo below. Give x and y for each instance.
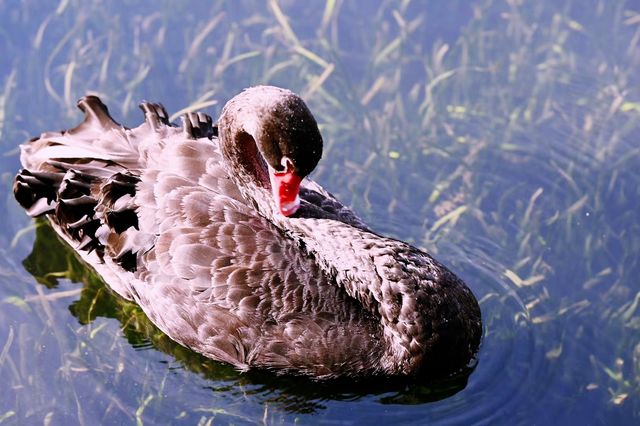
(37, 191)
(98, 146)
(96, 117)
(79, 178)
(155, 115)
(85, 180)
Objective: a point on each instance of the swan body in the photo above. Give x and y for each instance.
(216, 233)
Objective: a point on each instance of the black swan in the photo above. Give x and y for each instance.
(215, 232)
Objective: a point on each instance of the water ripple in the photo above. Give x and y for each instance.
(512, 368)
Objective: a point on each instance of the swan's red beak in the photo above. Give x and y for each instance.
(285, 187)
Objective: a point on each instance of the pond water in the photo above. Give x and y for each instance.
(501, 136)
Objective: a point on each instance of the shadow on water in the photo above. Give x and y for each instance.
(51, 260)
(502, 136)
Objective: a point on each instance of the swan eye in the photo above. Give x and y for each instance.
(286, 165)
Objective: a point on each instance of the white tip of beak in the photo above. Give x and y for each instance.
(288, 209)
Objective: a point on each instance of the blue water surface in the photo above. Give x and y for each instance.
(503, 136)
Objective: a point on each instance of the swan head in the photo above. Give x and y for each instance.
(270, 140)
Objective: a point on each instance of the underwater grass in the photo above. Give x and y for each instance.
(514, 144)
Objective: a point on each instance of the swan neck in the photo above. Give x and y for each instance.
(367, 267)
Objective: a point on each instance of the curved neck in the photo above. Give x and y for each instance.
(267, 129)
(390, 279)
(384, 275)
(243, 160)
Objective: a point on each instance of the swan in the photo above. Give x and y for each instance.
(216, 232)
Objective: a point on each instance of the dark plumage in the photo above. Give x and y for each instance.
(193, 228)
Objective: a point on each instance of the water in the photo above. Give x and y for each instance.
(502, 136)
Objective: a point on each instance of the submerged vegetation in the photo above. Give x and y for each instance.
(501, 134)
